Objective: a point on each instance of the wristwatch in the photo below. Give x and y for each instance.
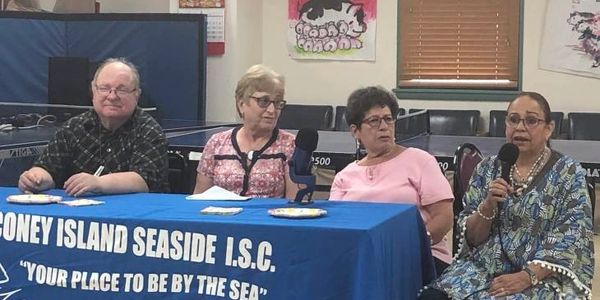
(532, 276)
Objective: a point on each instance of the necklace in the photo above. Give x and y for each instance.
(370, 171)
(521, 185)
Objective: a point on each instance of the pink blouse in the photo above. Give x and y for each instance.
(412, 177)
(223, 162)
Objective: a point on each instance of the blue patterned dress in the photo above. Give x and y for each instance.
(550, 224)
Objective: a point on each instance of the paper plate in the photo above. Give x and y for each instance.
(33, 199)
(297, 213)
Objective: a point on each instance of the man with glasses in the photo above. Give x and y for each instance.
(114, 148)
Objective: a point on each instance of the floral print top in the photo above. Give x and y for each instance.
(550, 224)
(257, 174)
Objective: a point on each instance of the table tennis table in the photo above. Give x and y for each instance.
(20, 147)
(337, 149)
(334, 151)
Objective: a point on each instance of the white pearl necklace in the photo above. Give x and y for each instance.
(522, 185)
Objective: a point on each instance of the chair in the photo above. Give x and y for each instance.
(584, 126)
(178, 179)
(401, 112)
(298, 116)
(466, 158)
(453, 122)
(497, 125)
(413, 124)
(557, 117)
(592, 191)
(340, 119)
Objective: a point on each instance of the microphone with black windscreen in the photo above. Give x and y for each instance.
(301, 163)
(507, 156)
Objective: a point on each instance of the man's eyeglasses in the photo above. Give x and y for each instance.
(120, 92)
(375, 121)
(265, 101)
(529, 121)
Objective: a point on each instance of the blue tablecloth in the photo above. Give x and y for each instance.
(141, 246)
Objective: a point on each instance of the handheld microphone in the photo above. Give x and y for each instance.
(507, 155)
(301, 163)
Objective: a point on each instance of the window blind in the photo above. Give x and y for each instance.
(459, 44)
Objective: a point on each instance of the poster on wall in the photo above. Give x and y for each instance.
(56, 6)
(332, 29)
(571, 40)
(215, 16)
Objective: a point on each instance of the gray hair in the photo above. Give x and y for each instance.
(132, 67)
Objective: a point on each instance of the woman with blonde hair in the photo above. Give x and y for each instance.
(252, 159)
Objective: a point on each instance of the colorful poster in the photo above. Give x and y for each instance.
(334, 30)
(201, 3)
(571, 40)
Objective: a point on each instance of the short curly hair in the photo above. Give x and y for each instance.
(363, 99)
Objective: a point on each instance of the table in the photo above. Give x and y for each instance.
(135, 246)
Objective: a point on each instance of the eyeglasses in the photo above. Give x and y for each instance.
(265, 101)
(528, 122)
(375, 121)
(120, 92)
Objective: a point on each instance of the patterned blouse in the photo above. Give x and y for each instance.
(260, 174)
(82, 145)
(550, 225)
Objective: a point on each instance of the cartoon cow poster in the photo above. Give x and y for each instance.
(332, 29)
(571, 40)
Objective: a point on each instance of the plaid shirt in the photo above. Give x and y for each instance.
(82, 145)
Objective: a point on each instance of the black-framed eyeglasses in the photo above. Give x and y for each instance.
(528, 122)
(265, 101)
(120, 92)
(375, 121)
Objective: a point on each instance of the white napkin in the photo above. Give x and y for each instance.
(82, 202)
(217, 193)
(225, 211)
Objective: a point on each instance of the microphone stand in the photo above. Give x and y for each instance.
(308, 180)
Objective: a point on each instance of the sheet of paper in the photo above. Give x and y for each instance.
(217, 193)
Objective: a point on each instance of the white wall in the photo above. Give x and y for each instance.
(134, 6)
(331, 82)
(243, 48)
(256, 33)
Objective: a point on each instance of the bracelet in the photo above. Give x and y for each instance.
(485, 217)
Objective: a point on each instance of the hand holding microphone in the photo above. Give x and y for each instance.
(499, 188)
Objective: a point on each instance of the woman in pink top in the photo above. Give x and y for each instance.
(251, 159)
(392, 173)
